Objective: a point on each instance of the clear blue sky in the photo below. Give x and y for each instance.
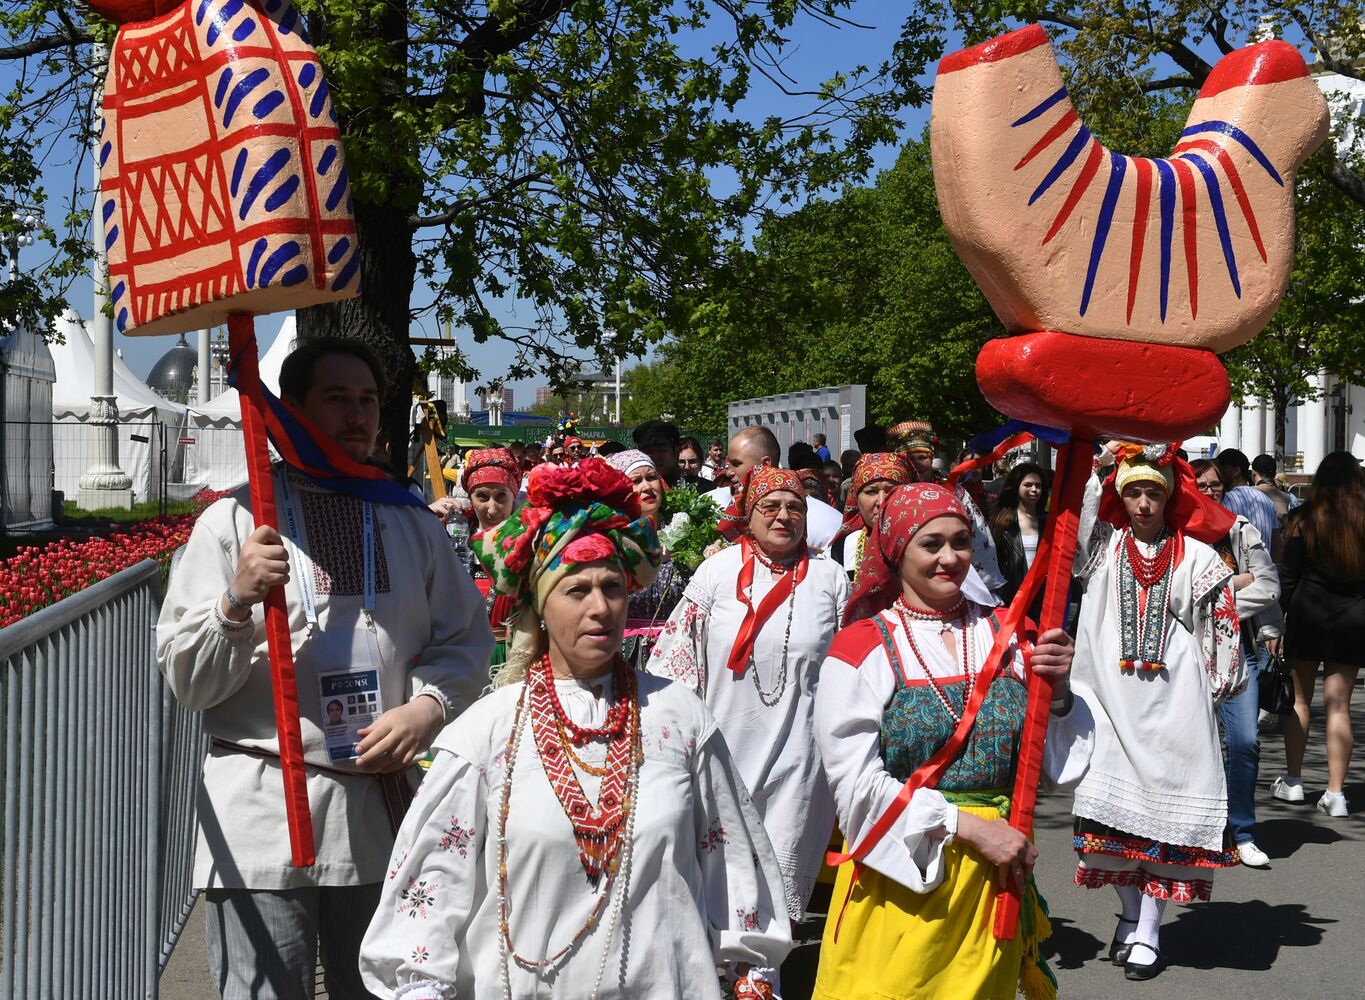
(817, 51)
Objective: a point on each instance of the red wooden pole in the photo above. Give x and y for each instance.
(1074, 466)
(242, 350)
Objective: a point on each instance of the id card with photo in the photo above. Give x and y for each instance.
(350, 701)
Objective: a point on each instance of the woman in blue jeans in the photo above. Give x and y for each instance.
(1257, 584)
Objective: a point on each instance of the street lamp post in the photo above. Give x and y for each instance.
(26, 217)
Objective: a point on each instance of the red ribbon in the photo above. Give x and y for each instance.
(242, 345)
(1073, 461)
(981, 461)
(755, 620)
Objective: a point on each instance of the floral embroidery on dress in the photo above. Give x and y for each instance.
(417, 897)
(419, 955)
(457, 838)
(398, 866)
(714, 838)
(748, 919)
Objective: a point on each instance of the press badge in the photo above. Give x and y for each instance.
(350, 696)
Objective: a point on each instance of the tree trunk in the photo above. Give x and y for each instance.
(1280, 397)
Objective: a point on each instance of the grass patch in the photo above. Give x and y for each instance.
(139, 512)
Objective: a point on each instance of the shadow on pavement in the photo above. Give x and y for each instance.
(1070, 947)
(1238, 935)
(1280, 838)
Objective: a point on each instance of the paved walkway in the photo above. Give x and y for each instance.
(1296, 930)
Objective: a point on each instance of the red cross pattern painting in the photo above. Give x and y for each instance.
(224, 194)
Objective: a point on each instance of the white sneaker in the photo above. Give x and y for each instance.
(1286, 792)
(1333, 804)
(1252, 856)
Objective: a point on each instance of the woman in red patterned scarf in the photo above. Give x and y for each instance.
(583, 830)
(893, 693)
(749, 635)
(491, 478)
(874, 477)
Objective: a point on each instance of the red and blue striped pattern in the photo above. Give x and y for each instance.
(1174, 182)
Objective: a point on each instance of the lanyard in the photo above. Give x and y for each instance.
(297, 535)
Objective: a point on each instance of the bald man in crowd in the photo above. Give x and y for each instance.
(758, 446)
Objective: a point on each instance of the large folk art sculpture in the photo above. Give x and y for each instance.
(223, 194)
(1118, 280)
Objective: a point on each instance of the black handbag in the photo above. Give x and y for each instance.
(1276, 687)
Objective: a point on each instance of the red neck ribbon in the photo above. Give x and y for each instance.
(754, 620)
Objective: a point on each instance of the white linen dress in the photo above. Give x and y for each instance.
(702, 888)
(773, 744)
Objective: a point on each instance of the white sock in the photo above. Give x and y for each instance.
(1292, 782)
(1148, 933)
(1130, 898)
(1332, 796)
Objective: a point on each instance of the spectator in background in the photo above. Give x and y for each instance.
(1256, 584)
(690, 460)
(834, 480)
(715, 458)
(557, 453)
(1243, 498)
(535, 454)
(817, 441)
(1322, 578)
(1018, 526)
(1263, 478)
(848, 461)
(758, 446)
(659, 439)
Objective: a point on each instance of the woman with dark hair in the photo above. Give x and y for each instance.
(1018, 523)
(1322, 592)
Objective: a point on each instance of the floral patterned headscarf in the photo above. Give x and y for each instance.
(758, 483)
(572, 515)
(490, 467)
(871, 468)
(906, 510)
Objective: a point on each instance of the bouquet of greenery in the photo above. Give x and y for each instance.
(689, 529)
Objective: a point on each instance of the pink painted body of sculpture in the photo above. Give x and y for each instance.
(223, 184)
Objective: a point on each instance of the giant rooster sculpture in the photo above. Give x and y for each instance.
(224, 193)
(1118, 279)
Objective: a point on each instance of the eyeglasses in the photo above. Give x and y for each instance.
(769, 509)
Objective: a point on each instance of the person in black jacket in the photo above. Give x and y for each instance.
(1018, 524)
(1322, 591)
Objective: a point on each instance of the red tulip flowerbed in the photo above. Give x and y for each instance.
(41, 575)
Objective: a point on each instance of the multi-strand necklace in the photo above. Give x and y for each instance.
(773, 695)
(604, 834)
(945, 619)
(1143, 587)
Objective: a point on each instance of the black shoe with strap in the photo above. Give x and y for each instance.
(1118, 951)
(1139, 973)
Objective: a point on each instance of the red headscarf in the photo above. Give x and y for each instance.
(758, 483)
(491, 467)
(908, 508)
(1188, 511)
(871, 468)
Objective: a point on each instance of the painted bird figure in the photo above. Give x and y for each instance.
(1063, 234)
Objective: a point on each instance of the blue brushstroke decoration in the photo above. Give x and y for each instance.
(1079, 143)
(338, 250)
(1047, 103)
(281, 195)
(1237, 135)
(1220, 217)
(263, 177)
(1166, 199)
(1118, 165)
(257, 249)
(282, 255)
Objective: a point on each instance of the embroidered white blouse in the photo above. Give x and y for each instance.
(432, 637)
(856, 685)
(702, 888)
(771, 735)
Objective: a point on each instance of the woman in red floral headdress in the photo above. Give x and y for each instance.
(491, 478)
(583, 831)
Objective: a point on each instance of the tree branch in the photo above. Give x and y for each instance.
(1346, 180)
(1323, 47)
(1169, 83)
(45, 43)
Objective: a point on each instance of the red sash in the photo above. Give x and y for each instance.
(755, 620)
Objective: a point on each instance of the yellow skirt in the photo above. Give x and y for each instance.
(895, 944)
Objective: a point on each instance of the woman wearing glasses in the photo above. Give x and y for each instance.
(749, 635)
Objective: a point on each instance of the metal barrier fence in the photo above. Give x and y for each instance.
(99, 767)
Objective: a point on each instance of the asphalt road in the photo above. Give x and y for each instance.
(1295, 930)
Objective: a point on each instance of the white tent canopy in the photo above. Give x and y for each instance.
(217, 457)
(145, 418)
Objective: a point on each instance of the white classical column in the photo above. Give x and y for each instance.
(1253, 427)
(1313, 424)
(104, 483)
(1230, 428)
(205, 365)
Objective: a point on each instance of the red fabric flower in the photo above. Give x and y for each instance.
(590, 481)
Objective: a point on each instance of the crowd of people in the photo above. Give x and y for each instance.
(635, 769)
